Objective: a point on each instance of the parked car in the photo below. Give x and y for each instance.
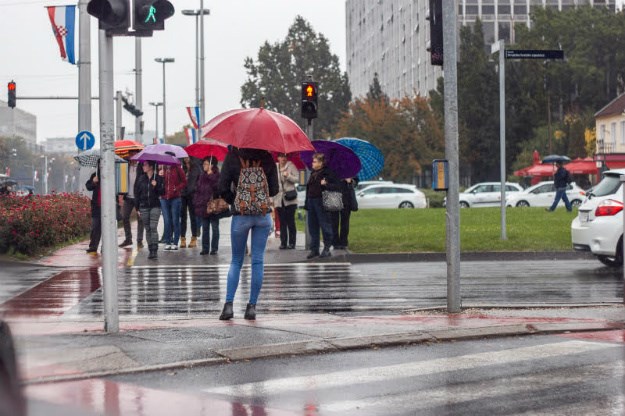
(598, 227)
(393, 195)
(485, 194)
(542, 195)
(301, 195)
(364, 184)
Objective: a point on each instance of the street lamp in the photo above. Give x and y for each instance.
(199, 57)
(164, 61)
(45, 172)
(156, 105)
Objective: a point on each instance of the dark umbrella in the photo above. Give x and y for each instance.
(556, 158)
(340, 159)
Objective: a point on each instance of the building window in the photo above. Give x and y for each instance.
(613, 134)
(623, 132)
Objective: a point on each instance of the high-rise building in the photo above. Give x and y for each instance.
(389, 37)
(18, 123)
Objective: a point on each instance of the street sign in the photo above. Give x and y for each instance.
(85, 140)
(533, 54)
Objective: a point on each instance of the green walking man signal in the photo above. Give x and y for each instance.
(151, 15)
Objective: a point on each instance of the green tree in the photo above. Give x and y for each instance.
(280, 68)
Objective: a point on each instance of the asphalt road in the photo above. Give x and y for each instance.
(541, 375)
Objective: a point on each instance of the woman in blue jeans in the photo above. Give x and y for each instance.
(204, 192)
(242, 225)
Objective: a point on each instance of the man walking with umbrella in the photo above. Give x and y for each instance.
(561, 180)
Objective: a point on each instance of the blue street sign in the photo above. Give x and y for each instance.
(85, 140)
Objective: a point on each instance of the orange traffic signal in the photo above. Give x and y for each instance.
(12, 97)
(309, 100)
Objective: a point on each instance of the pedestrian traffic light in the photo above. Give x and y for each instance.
(309, 99)
(435, 16)
(151, 14)
(113, 15)
(131, 108)
(11, 87)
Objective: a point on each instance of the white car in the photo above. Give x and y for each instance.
(598, 227)
(364, 184)
(393, 195)
(542, 195)
(486, 194)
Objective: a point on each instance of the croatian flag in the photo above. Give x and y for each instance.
(191, 135)
(194, 115)
(63, 19)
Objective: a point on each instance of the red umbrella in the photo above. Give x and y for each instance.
(206, 148)
(580, 166)
(293, 158)
(257, 128)
(127, 143)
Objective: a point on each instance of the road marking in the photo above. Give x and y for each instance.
(340, 379)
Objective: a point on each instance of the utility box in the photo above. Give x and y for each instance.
(440, 175)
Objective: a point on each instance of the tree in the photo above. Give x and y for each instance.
(280, 68)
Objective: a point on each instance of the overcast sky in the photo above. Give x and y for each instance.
(235, 29)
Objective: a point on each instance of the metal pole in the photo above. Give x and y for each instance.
(202, 93)
(84, 80)
(156, 109)
(197, 74)
(164, 108)
(45, 175)
(451, 153)
(138, 89)
(623, 243)
(118, 115)
(502, 135)
(107, 185)
(310, 133)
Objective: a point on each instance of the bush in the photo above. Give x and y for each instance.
(30, 224)
(435, 198)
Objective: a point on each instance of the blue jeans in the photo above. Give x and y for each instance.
(260, 226)
(318, 217)
(561, 194)
(209, 244)
(171, 218)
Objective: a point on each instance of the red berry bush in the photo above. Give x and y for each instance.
(30, 224)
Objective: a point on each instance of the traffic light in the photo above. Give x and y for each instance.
(11, 87)
(309, 99)
(151, 14)
(131, 108)
(435, 17)
(113, 15)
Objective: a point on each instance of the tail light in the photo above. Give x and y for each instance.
(608, 208)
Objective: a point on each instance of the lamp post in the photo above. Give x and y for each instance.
(164, 61)
(45, 173)
(199, 61)
(156, 105)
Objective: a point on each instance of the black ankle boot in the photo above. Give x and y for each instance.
(250, 312)
(227, 312)
(153, 249)
(325, 252)
(313, 254)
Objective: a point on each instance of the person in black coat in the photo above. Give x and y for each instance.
(148, 188)
(562, 179)
(193, 171)
(242, 225)
(321, 179)
(93, 185)
(340, 219)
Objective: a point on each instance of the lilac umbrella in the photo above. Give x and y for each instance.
(340, 159)
(178, 151)
(162, 159)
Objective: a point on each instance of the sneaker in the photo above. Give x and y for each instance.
(92, 250)
(168, 247)
(126, 243)
(213, 252)
(139, 244)
(174, 247)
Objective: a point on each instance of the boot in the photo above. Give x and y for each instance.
(250, 312)
(313, 254)
(227, 312)
(193, 242)
(183, 242)
(153, 250)
(325, 252)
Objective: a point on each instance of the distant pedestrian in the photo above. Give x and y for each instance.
(93, 185)
(171, 203)
(562, 179)
(128, 204)
(340, 219)
(147, 189)
(253, 176)
(286, 201)
(206, 190)
(321, 179)
(193, 171)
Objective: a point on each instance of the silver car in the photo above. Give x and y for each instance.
(486, 194)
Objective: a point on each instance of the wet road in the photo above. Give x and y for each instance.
(547, 375)
(342, 288)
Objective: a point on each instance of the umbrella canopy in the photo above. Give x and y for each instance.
(556, 158)
(160, 158)
(371, 158)
(293, 158)
(207, 148)
(125, 148)
(340, 159)
(257, 128)
(91, 157)
(162, 149)
(585, 166)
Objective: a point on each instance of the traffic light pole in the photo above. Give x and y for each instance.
(310, 132)
(107, 185)
(84, 80)
(118, 115)
(138, 90)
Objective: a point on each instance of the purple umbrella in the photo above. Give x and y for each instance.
(162, 159)
(178, 151)
(340, 159)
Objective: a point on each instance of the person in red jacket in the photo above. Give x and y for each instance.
(175, 181)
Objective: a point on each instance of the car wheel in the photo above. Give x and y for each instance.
(611, 261)
(576, 203)
(522, 204)
(406, 204)
(464, 204)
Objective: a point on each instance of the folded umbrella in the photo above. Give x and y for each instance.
(340, 159)
(90, 158)
(371, 158)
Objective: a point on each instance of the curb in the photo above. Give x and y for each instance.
(466, 256)
(325, 346)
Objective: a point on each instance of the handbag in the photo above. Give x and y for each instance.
(217, 206)
(290, 195)
(332, 200)
(353, 201)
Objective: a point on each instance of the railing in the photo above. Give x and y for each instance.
(605, 148)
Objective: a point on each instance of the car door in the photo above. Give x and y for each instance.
(369, 197)
(480, 194)
(543, 195)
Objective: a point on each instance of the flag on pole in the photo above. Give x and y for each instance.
(63, 19)
(194, 115)
(191, 135)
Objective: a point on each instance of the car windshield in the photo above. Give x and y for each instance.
(609, 185)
